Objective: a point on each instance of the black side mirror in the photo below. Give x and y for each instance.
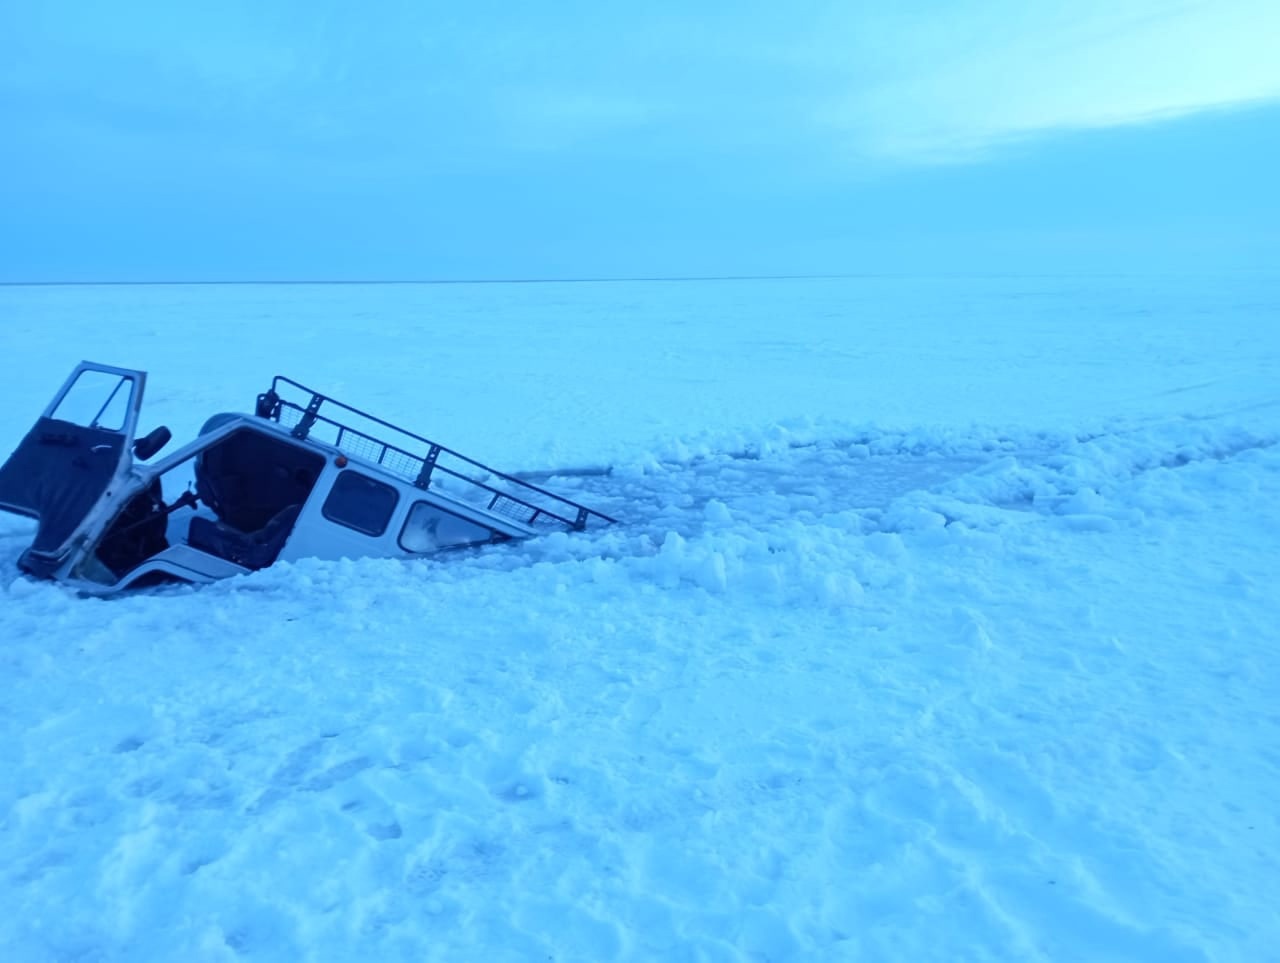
(151, 443)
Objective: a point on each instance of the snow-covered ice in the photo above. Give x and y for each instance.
(941, 624)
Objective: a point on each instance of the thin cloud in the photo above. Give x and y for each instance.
(821, 88)
(554, 119)
(968, 86)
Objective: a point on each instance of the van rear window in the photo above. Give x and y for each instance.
(430, 528)
(361, 502)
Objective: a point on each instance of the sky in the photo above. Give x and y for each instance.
(286, 140)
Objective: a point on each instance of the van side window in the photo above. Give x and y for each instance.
(430, 528)
(360, 502)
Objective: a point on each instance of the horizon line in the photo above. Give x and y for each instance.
(607, 279)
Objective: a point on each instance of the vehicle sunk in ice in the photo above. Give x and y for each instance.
(304, 476)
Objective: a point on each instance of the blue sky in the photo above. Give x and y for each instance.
(320, 140)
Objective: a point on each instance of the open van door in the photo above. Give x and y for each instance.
(76, 454)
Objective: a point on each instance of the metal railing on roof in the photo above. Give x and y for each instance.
(424, 462)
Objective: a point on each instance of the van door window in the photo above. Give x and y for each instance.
(97, 399)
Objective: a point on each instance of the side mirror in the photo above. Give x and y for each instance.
(151, 443)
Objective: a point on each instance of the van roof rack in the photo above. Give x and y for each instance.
(428, 464)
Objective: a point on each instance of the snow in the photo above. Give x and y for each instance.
(940, 624)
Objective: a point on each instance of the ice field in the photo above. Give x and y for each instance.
(941, 623)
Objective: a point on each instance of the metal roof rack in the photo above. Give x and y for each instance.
(420, 460)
